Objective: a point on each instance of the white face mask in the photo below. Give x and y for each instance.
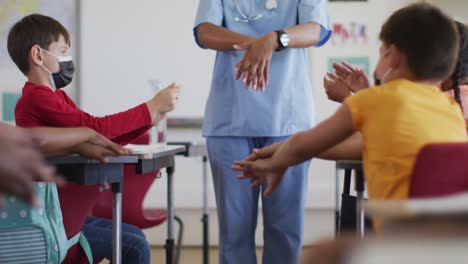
(380, 81)
(385, 75)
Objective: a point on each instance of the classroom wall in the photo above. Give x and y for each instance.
(455, 8)
(134, 41)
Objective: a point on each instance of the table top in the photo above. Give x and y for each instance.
(84, 171)
(163, 152)
(162, 158)
(349, 164)
(90, 172)
(194, 148)
(133, 158)
(77, 159)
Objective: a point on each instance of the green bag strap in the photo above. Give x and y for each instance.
(81, 239)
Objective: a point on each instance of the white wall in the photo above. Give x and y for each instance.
(125, 43)
(455, 8)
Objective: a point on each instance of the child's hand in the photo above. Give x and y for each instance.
(99, 147)
(100, 140)
(263, 153)
(97, 152)
(261, 171)
(353, 77)
(335, 88)
(164, 101)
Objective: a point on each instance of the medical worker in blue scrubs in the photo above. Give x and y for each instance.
(260, 94)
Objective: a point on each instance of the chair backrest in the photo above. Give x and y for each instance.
(440, 169)
(135, 188)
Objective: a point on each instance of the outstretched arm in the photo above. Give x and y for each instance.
(350, 149)
(297, 149)
(83, 141)
(308, 144)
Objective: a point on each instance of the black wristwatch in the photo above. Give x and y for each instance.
(283, 40)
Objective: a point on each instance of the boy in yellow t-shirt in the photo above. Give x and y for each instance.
(419, 50)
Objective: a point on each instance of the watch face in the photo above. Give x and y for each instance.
(284, 38)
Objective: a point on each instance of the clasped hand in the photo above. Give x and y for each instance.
(253, 69)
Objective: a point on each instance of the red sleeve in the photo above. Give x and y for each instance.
(131, 137)
(121, 127)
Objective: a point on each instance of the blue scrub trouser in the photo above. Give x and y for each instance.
(237, 205)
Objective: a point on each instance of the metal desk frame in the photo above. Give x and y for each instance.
(359, 186)
(90, 172)
(156, 161)
(198, 149)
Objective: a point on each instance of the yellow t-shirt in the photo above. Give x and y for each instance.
(396, 120)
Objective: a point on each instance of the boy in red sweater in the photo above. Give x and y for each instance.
(39, 46)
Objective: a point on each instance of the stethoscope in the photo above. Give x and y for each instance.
(269, 5)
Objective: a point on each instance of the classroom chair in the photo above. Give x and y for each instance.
(440, 169)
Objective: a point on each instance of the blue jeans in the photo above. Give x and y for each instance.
(237, 205)
(98, 232)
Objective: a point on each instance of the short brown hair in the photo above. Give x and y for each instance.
(427, 37)
(33, 30)
(461, 72)
(460, 75)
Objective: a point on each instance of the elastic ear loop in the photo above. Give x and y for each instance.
(51, 79)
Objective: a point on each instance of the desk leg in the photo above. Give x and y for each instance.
(205, 218)
(337, 202)
(117, 223)
(359, 186)
(170, 216)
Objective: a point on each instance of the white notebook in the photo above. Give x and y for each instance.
(145, 149)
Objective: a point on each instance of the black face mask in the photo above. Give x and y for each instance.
(65, 74)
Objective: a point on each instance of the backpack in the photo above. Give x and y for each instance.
(36, 235)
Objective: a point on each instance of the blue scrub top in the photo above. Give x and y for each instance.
(286, 106)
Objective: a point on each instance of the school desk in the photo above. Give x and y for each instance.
(152, 162)
(197, 149)
(84, 171)
(359, 185)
